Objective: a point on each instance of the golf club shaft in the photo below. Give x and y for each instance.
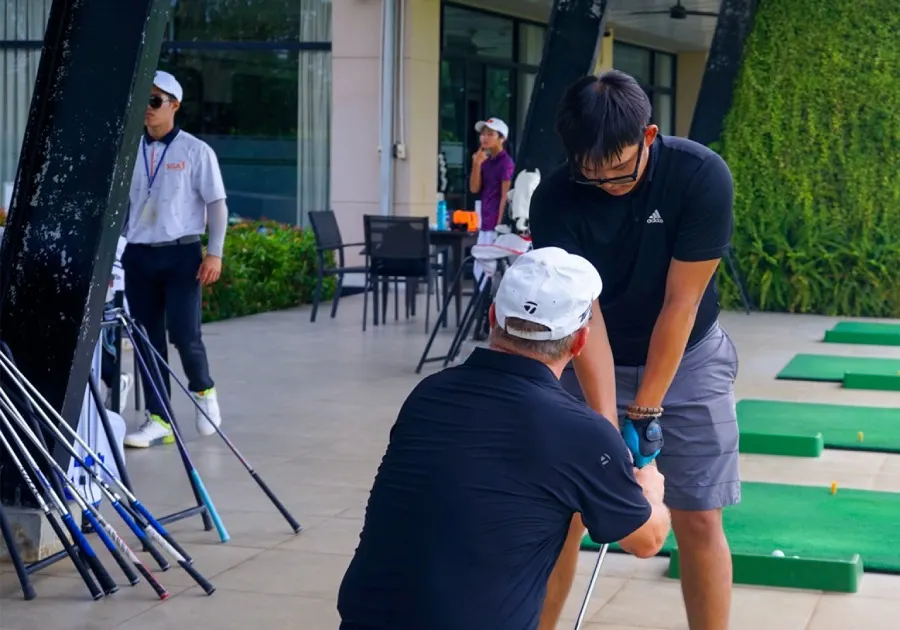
(96, 593)
(192, 471)
(35, 397)
(129, 517)
(590, 589)
(256, 477)
(103, 577)
(117, 547)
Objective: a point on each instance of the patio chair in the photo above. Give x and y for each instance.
(399, 248)
(328, 239)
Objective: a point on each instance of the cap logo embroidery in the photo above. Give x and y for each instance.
(530, 307)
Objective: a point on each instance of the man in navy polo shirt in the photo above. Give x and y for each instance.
(486, 465)
(653, 214)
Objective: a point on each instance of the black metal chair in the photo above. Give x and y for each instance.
(328, 239)
(399, 248)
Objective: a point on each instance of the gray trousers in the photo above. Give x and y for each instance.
(699, 457)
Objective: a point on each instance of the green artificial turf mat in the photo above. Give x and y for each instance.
(823, 367)
(842, 576)
(810, 522)
(775, 443)
(867, 333)
(881, 382)
(801, 429)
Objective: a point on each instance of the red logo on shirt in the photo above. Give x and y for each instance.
(176, 166)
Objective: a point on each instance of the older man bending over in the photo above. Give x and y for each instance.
(487, 464)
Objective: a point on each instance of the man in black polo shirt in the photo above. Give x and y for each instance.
(486, 465)
(653, 214)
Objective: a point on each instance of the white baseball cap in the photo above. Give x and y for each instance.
(493, 123)
(168, 84)
(548, 286)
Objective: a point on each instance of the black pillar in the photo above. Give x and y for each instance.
(725, 56)
(71, 192)
(573, 39)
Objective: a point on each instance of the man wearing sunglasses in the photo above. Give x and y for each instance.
(653, 214)
(176, 189)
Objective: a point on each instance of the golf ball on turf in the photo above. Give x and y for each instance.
(778, 553)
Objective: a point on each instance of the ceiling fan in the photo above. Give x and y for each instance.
(677, 12)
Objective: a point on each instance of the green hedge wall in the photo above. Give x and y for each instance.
(267, 266)
(813, 142)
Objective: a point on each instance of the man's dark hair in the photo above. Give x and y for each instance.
(599, 116)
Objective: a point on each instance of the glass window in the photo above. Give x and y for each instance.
(634, 61)
(314, 113)
(531, 43)
(266, 113)
(19, 21)
(23, 20)
(454, 132)
(472, 33)
(663, 70)
(498, 93)
(526, 87)
(663, 113)
(244, 104)
(239, 20)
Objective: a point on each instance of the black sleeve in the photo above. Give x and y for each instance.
(706, 227)
(548, 222)
(596, 478)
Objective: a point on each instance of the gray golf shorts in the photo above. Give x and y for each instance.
(699, 457)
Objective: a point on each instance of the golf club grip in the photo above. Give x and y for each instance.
(113, 549)
(106, 583)
(287, 515)
(213, 514)
(96, 593)
(141, 536)
(144, 512)
(159, 588)
(205, 584)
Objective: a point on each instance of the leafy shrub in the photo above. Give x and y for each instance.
(267, 266)
(813, 142)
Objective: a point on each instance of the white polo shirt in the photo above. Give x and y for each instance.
(173, 181)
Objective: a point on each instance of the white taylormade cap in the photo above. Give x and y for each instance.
(551, 287)
(491, 123)
(168, 84)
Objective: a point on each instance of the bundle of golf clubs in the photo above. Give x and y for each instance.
(26, 418)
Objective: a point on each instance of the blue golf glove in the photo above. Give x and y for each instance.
(644, 439)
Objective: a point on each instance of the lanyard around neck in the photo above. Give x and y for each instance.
(152, 177)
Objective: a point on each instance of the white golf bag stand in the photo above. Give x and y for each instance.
(494, 259)
(91, 429)
(102, 429)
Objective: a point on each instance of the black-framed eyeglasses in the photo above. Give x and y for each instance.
(579, 178)
(156, 101)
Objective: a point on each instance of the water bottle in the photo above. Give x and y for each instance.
(442, 218)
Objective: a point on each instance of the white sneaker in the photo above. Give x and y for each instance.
(208, 402)
(126, 382)
(154, 431)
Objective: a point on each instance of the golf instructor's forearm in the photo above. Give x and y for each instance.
(667, 343)
(596, 371)
(217, 218)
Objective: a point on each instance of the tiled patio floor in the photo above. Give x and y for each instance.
(311, 404)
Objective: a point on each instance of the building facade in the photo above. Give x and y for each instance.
(292, 93)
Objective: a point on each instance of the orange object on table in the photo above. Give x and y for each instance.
(469, 218)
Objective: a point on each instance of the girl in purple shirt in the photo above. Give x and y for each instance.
(492, 173)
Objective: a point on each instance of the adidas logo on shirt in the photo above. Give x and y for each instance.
(655, 218)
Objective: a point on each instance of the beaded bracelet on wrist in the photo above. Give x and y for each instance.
(637, 412)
